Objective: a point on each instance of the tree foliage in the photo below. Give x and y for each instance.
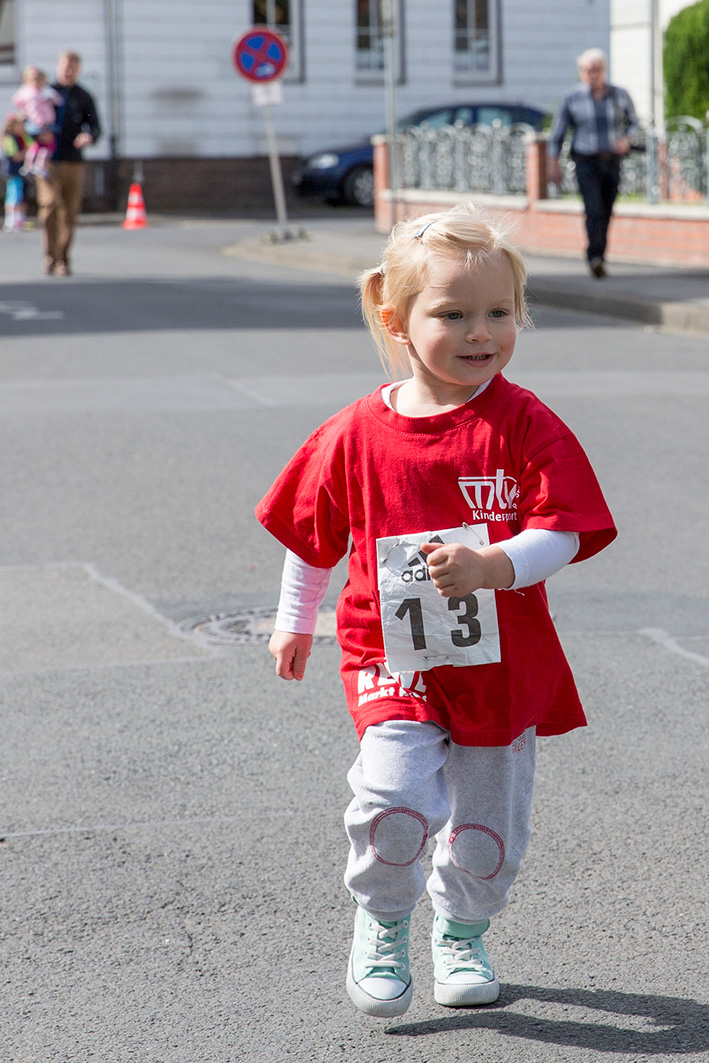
(686, 62)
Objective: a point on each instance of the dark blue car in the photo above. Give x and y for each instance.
(346, 175)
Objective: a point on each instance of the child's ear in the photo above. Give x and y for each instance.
(394, 326)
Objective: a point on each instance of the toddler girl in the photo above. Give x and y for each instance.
(458, 494)
(37, 101)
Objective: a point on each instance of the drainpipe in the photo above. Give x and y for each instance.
(389, 33)
(110, 14)
(657, 120)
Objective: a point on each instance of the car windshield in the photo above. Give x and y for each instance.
(484, 113)
(433, 118)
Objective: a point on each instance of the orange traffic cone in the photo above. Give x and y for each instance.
(135, 214)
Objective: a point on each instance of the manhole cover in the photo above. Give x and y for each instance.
(251, 625)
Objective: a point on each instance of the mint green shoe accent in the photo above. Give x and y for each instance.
(378, 976)
(462, 972)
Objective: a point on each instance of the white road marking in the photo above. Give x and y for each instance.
(69, 615)
(27, 312)
(664, 639)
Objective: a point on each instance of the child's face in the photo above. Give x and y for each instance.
(462, 328)
(35, 78)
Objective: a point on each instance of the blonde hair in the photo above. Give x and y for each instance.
(33, 72)
(387, 291)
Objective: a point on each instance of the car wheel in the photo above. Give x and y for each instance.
(358, 186)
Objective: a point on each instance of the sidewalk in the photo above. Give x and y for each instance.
(669, 297)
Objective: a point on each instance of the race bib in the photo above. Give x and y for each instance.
(421, 629)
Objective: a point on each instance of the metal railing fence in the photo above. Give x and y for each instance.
(492, 159)
(463, 158)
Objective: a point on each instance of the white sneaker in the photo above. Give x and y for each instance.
(462, 971)
(378, 977)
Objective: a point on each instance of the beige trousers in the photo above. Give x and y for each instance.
(59, 205)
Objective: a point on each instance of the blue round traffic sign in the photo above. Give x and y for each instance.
(260, 54)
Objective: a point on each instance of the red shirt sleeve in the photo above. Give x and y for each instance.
(306, 508)
(559, 491)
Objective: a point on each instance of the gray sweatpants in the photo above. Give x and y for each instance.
(411, 783)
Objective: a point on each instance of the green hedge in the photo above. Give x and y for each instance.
(686, 62)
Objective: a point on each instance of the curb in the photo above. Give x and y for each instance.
(684, 317)
(298, 255)
(673, 316)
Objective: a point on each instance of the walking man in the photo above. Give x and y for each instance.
(59, 195)
(603, 122)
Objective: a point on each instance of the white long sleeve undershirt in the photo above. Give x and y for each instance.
(535, 553)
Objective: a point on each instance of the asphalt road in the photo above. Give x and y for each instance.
(171, 841)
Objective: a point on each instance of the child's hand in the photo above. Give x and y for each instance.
(456, 570)
(291, 652)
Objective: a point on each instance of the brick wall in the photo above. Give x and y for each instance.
(187, 186)
(204, 185)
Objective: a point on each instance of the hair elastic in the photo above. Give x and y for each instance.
(419, 234)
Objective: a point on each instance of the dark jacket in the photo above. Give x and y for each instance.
(78, 116)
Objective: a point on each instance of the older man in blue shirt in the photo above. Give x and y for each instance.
(603, 122)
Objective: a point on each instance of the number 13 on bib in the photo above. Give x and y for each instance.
(421, 629)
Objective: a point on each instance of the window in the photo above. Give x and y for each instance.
(475, 40)
(7, 32)
(372, 27)
(370, 41)
(283, 16)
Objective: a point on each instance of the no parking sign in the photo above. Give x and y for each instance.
(260, 55)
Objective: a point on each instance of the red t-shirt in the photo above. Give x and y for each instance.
(503, 460)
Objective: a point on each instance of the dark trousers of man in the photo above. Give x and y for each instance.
(598, 178)
(59, 202)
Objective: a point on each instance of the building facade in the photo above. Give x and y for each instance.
(163, 75)
(637, 27)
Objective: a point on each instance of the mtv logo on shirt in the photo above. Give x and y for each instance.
(489, 493)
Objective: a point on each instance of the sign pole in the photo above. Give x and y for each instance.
(276, 175)
(261, 55)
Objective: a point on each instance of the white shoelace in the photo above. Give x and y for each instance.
(462, 954)
(386, 946)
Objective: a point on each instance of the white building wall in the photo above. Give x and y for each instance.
(540, 46)
(178, 92)
(47, 27)
(631, 46)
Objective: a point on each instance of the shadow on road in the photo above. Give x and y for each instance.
(146, 304)
(672, 1025)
